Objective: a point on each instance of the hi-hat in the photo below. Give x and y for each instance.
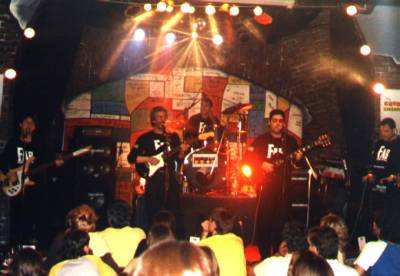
(237, 108)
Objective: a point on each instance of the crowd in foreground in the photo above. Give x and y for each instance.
(122, 249)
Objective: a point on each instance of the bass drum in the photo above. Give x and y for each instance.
(200, 178)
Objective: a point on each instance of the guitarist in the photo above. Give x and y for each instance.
(271, 178)
(22, 151)
(162, 187)
(384, 168)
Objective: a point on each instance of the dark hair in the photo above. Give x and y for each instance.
(294, 235)
(207, 100)
(390, 230)
(166, 218)
(119, 214)
(223, 219)
(338, 224)
(311, 265)
(159, 233)
(173, 258)
(325, 240)
(26, 116)
(276, 112)
(155, 110)
(28, 262)
(73, 244)
(388, 122)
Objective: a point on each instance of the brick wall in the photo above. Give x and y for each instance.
(10, 36)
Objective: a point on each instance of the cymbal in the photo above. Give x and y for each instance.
(175, 124)
(237, 108)
(236, 132)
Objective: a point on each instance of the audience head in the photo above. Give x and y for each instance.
(159, 233)
(174, 258)
(294, 235)
(28, 262)
(390, 231)
(167, 218)
(223, 219)
(213, 260)
(119, 214)
(310, 264)
(337, 223)
(82, 218)
(323, 241)
(75, 244)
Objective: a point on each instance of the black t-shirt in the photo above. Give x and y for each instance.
(198, 125)
(13, 154)
(385, 160)
(150, 144)
(268, 148)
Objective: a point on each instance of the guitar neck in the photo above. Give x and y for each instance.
(45, 166)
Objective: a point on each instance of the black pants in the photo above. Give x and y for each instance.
(271, 216)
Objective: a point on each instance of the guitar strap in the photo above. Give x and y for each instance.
(23, 170)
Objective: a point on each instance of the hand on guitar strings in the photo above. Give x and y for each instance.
(152, 160)
(267, 167)
(369, 178)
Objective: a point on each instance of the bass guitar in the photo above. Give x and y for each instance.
(13, 188)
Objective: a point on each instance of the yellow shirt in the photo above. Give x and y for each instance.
(85, 265)
(229, 251)
(98, 244)
(123, 243)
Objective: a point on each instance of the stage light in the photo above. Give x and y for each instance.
(147, 7)
(170, 9)
(191, 10)
(185, 7)
(258, 11)
(210, 9)
(365, 50)
(351, 10)
(10, 74)
(170, 38)
(234, 10)
(379, 88)
(246, 170)
(139, 35)
(195, 35)
(217, 39)
(29, 33)
(161, 6)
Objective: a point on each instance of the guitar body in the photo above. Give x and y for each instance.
(147, 169)
(12, 189)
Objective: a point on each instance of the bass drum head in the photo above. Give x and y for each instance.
(200, 179)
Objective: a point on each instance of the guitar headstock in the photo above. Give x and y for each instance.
(323, 140)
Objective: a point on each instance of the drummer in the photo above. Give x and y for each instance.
(203, 126)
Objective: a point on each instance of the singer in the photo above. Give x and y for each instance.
(150, 151)
(267, 156)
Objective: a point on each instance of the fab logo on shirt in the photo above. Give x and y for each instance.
(273, 150)
(20, 155)
(383, 154)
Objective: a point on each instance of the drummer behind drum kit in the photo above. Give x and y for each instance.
(215, 167)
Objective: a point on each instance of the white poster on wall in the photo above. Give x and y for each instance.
(390, 105)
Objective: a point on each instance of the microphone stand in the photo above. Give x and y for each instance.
(311, 174)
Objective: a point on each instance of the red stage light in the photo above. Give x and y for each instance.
(246, 170)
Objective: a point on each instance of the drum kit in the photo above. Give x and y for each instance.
(215, 167)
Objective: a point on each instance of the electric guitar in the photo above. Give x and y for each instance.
(13, 188)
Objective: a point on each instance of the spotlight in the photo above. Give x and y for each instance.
(170, 38)
(191, 10)
(195, 35)
(210, 9)
(234, 10)
(217, 39)
(139, 35)
(365, 50)
(185, 7)
(170, 9)
(351, 10)
(379, 88)
(161, 6)
(10, 74)
(246, 170)
(258, 11)
(147, 7)
(29, 33)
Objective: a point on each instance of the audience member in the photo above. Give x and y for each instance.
(337, 223)
(324, 242)
(28, 262)
(77, 258)
(294, 236)
(174, 258)
(310, 264)
(382, 257)
(227, 247)
(120, 237)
